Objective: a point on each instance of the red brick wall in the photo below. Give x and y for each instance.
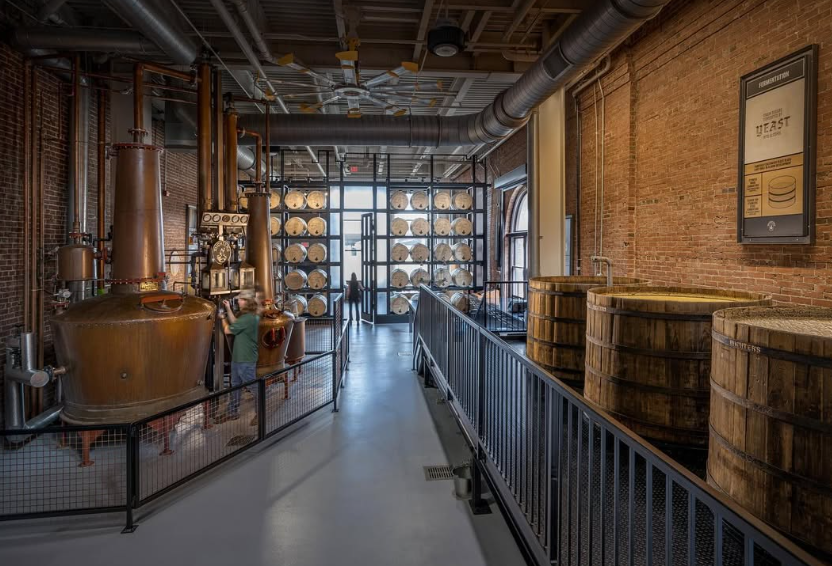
(671, 109)
(179, 177)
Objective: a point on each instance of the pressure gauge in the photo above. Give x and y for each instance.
(295, 253)
(316, 200)
(419, 200)
(463, 200)
(419, 276)
(442, 277)
(317, 305)
(216, 217)
(399, 278)
(295, 200)
(220, 252)
(419, 252)
(296, 226)
(398, 226)
(274, 199)
(274, 225)
(235, 218)
(442, 252)
(399, 252)
(442, 200)
(399, 304)
(317, 279)
(316, 253)
(420, 227)
(398, 200)
(295, 280)
(296, 304)
(462, 277)
(206, 218)
(461, 226)
(442, 227)
(462, 252)
(317, 226)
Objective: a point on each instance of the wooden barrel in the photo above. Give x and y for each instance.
(557, 323)
(648, 356)
(771, 417)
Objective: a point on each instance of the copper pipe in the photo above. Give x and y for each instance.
(258, 152)
(204, 139)
(268, 149)
(230, 123)
(36, 191)
(102, 182)
(76, 146)
(168, 72)
(41, 258)
(259, 245)
(170, 99)
(218, 135)
(118, 79)
(138, 130)
(27, 171)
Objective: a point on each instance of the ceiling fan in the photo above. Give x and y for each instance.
(394, 99)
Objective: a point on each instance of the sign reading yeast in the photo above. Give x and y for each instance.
(777, 147)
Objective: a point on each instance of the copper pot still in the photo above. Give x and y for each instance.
(274, 335)
(141, 349)
(297, 342)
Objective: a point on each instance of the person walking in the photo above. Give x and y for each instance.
(244, 327)
(354, 294)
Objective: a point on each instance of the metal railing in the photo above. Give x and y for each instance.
(71, 470)
(579, 487)
(502, 309)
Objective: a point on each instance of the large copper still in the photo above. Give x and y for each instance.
(140, 349)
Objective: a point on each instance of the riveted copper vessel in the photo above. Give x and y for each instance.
(140, 349)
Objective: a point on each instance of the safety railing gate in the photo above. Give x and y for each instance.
(579, 487)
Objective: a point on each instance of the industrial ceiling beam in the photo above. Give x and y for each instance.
(519, 16)
(423, 28)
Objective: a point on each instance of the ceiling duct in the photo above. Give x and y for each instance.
(594, 33)
(158, 27)
(68, 39)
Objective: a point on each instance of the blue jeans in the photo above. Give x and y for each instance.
(241, 372)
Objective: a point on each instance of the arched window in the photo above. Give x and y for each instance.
(517, 239)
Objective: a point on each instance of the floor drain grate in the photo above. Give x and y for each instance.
(438, 473)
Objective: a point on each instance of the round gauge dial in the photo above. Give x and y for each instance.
(462, 251)
(316, 253)
(296, 304)
(442, 227)
(216, 217)
(442, 277)
(399, 304)
(398, 226)
(442, 252)
(296, 226)
(295, 200)
(220, 252)
(316, 226)
(419, 200)
(317, 279)
(295, 280)
(274, 199)
(399, 278)
(419, 276)
(295, 253)
(420, 227)
(399, 252)
(317, 305)
(206, 217)
(461, 226)
(463, 200)
(460, 301)
(316, 200)
(226, 218)
(398, 200)
(274, 225)
(235, 218)
(419, 252)
(462, 277)
(442, 200)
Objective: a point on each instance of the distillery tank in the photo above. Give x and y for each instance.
(140, 349)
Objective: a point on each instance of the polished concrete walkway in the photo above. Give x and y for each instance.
(345, 488)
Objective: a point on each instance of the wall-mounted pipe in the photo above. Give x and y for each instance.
(158, 26)
(594, 33)
(75, 150)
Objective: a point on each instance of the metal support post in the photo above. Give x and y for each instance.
(479, 506)
(334, 382)
(261, 408)
(132, 469)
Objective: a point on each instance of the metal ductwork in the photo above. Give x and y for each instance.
(595, 32)
(158, 27)
(67, 39)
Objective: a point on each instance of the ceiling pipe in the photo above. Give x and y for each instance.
(51, 7)
(158, 27)
(592, 35)
(68, 39)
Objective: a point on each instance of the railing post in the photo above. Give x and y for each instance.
(334, 381)
(261, 407)
(478, 505)
(132, 467)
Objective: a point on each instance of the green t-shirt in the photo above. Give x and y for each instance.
(245, 338)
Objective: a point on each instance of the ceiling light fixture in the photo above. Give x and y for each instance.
(446, 39)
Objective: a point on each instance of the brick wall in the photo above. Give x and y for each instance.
(670, 165)
(179, 177)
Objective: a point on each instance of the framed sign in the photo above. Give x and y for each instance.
(776, 188)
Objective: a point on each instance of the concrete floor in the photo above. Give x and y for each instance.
(345, 488)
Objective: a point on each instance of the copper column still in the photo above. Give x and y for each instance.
(275, 325)
(140, 349)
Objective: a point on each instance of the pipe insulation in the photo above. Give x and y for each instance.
(594, 33)
(158, 26)
(68, 39)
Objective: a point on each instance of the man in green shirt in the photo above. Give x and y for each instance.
(244, 353)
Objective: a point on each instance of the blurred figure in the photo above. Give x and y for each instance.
(355, 292)
(244, 327)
